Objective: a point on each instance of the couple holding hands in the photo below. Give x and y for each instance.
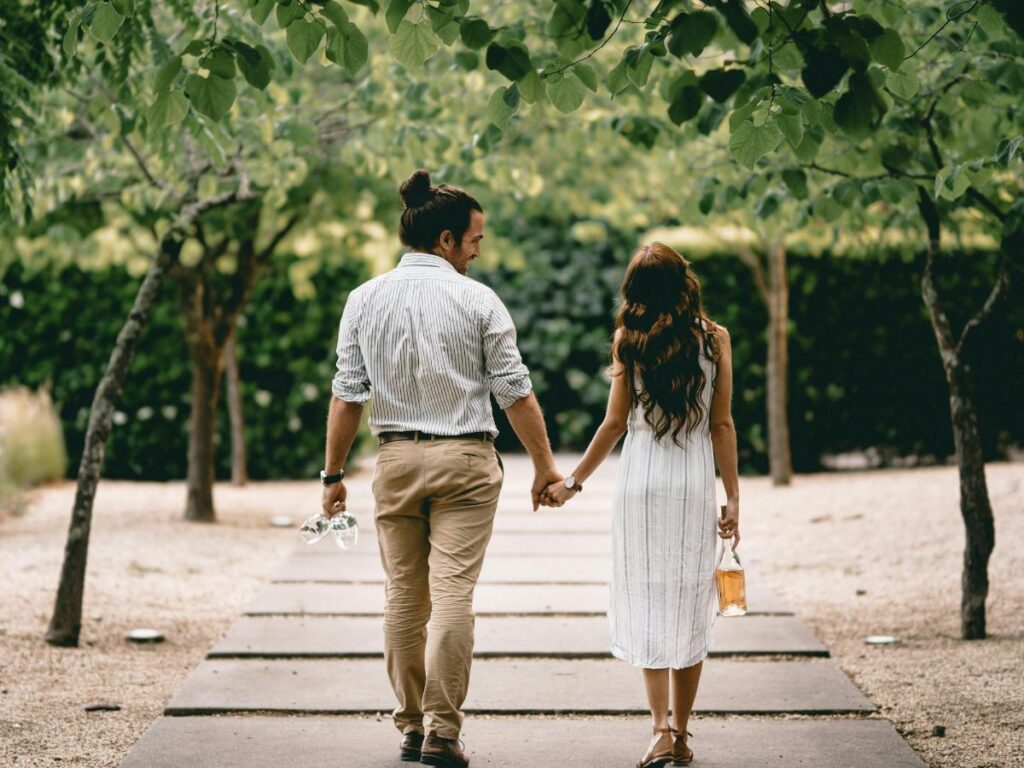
(433, 346)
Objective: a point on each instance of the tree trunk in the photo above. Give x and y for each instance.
(66, 621)
(975, 507)
(207, 370)
(779, 455)
(974, 502)
(239, 470)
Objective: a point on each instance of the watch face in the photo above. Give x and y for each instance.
(570, 482)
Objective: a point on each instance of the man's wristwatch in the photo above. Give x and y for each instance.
(571, 484)
(331, 479)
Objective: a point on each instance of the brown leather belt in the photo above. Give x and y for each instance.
(389, 437)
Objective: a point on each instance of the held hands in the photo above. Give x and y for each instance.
(729, 522)
(556, 494)
(542, 481)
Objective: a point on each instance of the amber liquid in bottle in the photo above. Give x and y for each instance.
(731, 584)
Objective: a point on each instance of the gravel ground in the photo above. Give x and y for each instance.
(854, 553)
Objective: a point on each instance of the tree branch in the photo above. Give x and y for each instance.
(602, 45)
(949, 20)
(940, 322)
(999, 291)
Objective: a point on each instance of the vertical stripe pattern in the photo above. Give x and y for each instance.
(662, 607)
(430, 346)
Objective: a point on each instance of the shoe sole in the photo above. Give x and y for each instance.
(408, 756)
(439, 762)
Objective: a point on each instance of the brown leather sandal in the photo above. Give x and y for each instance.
(681, 753)
(658, 755)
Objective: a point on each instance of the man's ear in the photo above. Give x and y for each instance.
(446, 239)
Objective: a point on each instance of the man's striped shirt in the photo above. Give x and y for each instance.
(430, 346)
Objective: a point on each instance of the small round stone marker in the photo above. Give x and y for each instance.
(880, 640)
(281, 521)
(145, 636)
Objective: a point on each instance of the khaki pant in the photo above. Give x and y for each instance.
(435, 511)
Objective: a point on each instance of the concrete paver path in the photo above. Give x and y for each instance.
(309, 651)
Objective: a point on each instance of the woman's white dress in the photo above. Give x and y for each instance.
(663, 599)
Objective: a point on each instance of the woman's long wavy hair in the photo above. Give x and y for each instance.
(661, 329)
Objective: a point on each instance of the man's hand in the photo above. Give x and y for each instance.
(542, 480)
(333, 499)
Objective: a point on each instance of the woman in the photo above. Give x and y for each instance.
(671, 387)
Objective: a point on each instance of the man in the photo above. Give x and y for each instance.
(431, 345)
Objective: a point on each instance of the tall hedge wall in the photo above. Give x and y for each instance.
(864, 370)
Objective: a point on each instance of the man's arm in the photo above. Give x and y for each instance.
(528, 423)
(350, 390)
(342, 424)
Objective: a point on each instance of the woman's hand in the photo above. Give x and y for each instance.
(729, 522)
(557, 494)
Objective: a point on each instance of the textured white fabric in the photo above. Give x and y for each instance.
(663, 600)
(431, 346)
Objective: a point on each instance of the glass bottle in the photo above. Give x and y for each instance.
(346, 530)
(314, 528)
(732, 593)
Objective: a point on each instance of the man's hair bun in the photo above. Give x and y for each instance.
(416, 190)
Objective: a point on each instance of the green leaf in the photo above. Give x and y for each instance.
(738, 20)
(1007, 150)
(413, 44)
(212, 96)
(748, 143)
(467, 60)
(686, 104)
(616, 80)
(475, 33)
(1013, 13)
(859, 111)
(566, 92)
(105, 22)
(124, 7)
(823, 71)
(532, 87)
(166, 74)
(70, 41)
(792, 127)
(194, 48)
(396, 13)
(512, 60)
(691, 33)
(902, 85)
(348, 48)
(888, 49)
(796, 181)
(256, 64)
(334, 13)
(951, 182)
(304, 38)
(638, 66)
(720, 84)
(220, 62)
(587, 75)
(169, 108)
(261, 10)
(289, 12)
(498, 109)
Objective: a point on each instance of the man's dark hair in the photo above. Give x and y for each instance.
(430, 210)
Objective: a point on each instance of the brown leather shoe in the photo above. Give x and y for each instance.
(443, 753)
(412, 743)
(681, 752)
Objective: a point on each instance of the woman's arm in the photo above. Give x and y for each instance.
(608, 434)
(723, 439)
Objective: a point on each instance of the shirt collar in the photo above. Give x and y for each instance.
(419, 259)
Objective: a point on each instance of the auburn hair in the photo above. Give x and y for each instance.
(661, 329)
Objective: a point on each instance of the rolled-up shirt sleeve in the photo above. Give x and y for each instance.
(351, 382)
(507, 376)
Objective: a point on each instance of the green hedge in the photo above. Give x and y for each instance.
(864, 369)
(60, 326)
(864, 365)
